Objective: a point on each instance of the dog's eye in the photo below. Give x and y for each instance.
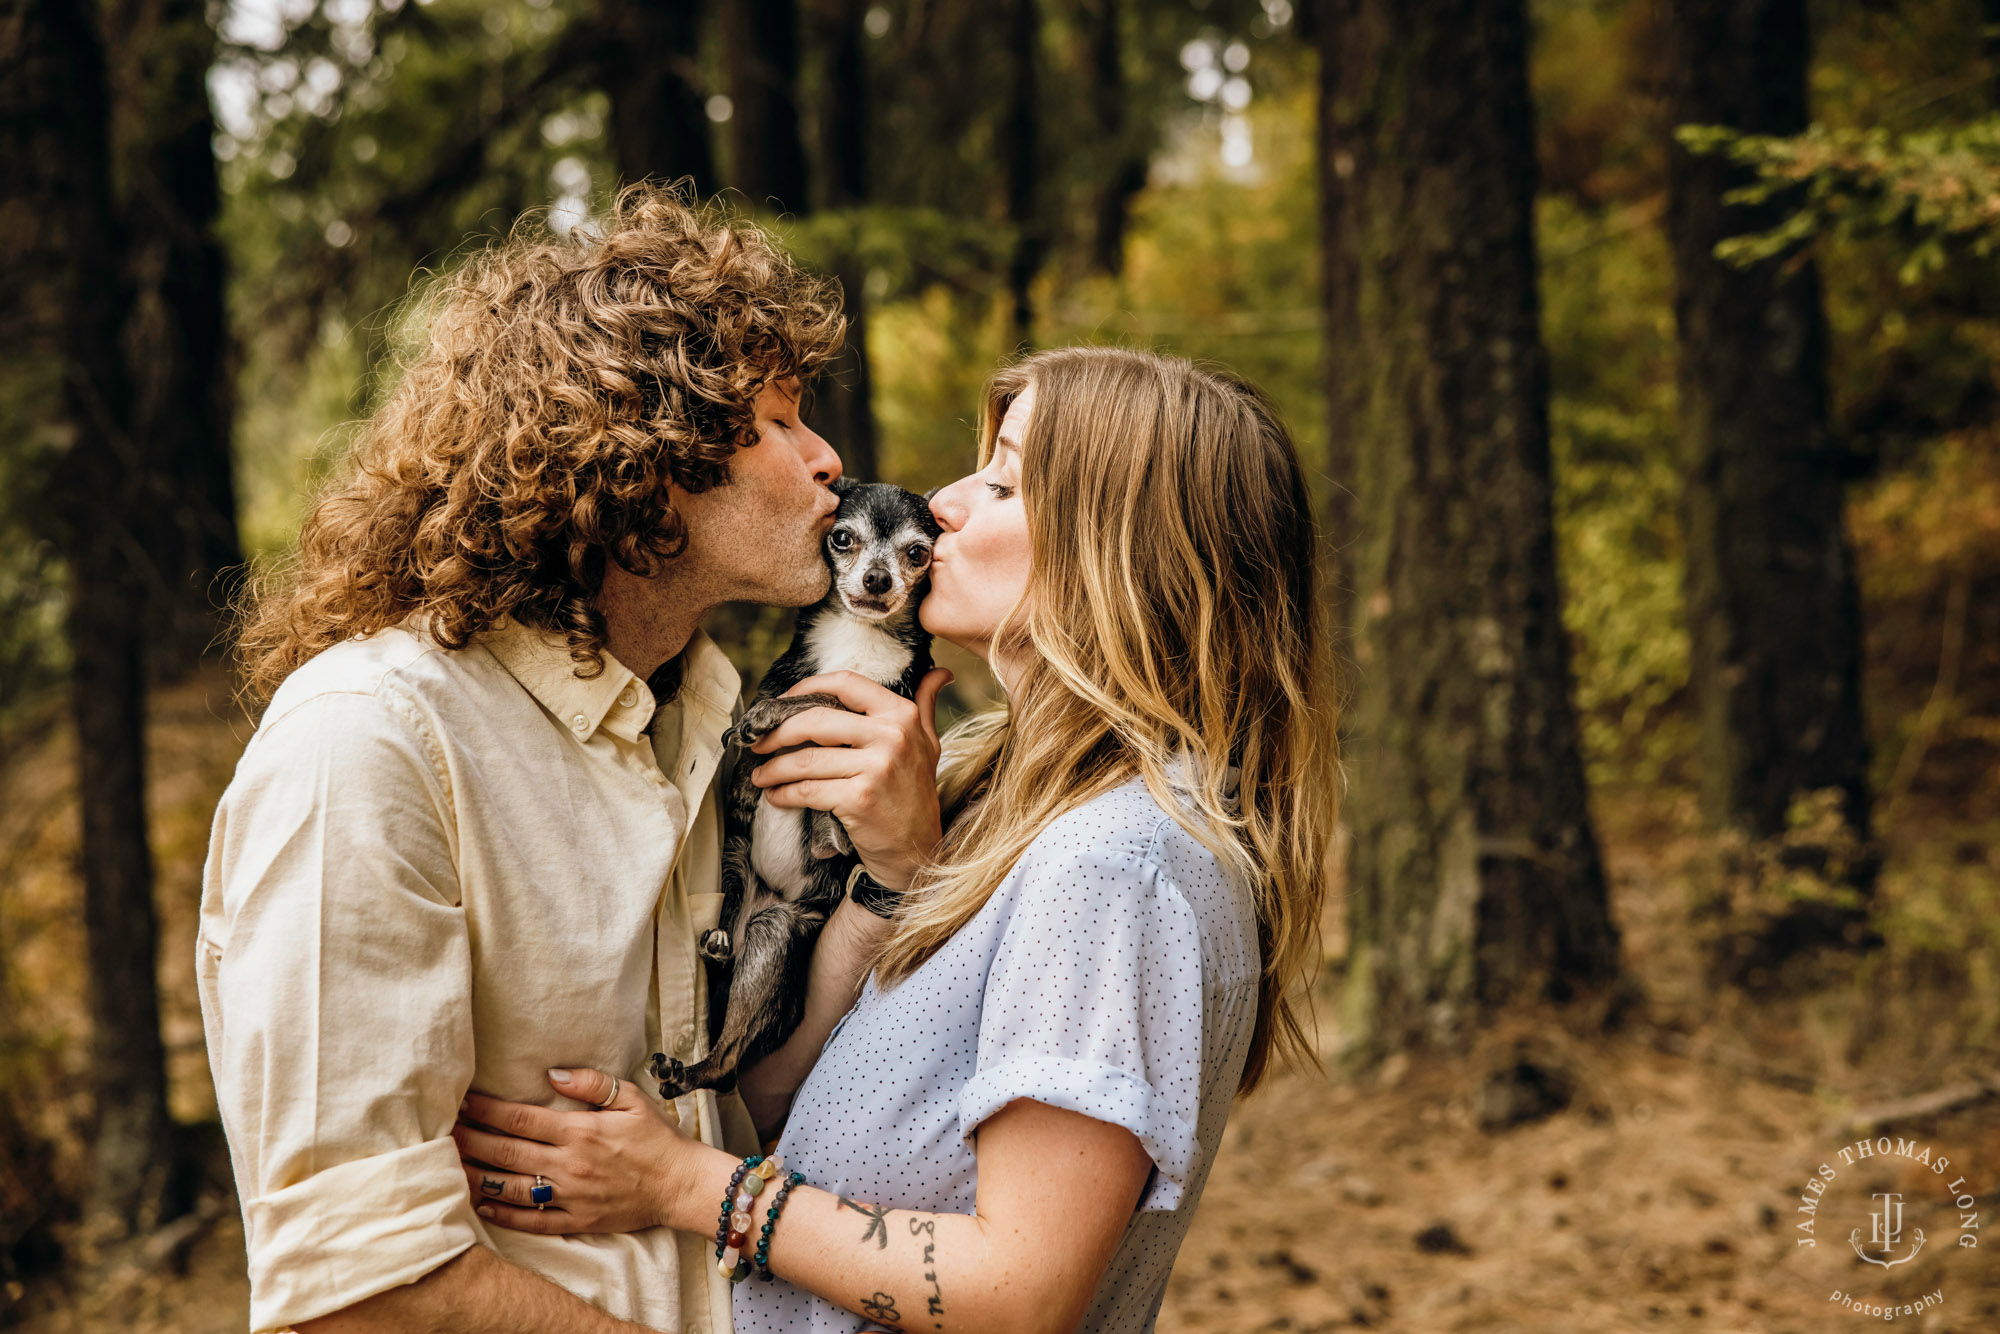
(918, 554)
(840, 539)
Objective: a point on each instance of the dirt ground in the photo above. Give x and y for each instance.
(1663, 1197)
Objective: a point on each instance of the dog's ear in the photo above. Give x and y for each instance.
(842, 485)
(933, 491)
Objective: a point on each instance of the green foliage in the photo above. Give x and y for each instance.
(367, 144)
(1598, 144)
(1939, 916)
(1608, 322)
(364, 149)
(1937, 191)
(1223, 263)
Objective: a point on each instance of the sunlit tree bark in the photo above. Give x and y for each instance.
(1474, 876)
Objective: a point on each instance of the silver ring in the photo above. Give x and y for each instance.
(542, 1193)
(612, 1096)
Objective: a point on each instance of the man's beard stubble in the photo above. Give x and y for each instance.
(801, 578)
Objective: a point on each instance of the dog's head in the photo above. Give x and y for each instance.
(879, 548)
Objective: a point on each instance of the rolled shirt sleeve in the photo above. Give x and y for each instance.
(1093, 1003)
(336, 975)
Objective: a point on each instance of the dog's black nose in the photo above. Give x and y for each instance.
(876, 581)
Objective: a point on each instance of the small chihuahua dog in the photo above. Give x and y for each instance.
(784, 871)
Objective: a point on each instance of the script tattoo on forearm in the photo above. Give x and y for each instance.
(491, 1185)
(927, 1227)
(878, 1224)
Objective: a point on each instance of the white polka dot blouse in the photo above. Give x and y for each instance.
(1113, 973)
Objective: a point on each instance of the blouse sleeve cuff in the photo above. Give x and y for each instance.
(354, 1230)
(1097, 1090)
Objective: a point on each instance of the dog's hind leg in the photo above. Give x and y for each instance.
(718, 945)
(767, 996)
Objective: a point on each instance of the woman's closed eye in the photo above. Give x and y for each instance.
(999, 492)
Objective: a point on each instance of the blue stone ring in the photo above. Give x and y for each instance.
(541, 1193)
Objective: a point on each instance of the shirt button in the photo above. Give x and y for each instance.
(580, 723)
(684, 1046)
(628, 697)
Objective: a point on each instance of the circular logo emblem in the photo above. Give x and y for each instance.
(1880, 1222)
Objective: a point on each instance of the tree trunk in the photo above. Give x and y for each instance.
(59, 162)
(1771, 603)
(659, 125)
(135, 1142)
(1474, 877)
(176, 336)
(843, 105)
(1989, 26)
(768, 157)
(1020, 148)
(845, 412)
(1124, 163)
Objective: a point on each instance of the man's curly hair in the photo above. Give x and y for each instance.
(563, 385)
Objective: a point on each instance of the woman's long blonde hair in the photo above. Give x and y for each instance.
(1171, 607)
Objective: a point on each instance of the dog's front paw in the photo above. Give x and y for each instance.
(762, 718)
(759, 721)
(715, 945)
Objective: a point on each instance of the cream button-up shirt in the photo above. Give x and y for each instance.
(441, 870)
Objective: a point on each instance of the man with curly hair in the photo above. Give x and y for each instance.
(473, 837)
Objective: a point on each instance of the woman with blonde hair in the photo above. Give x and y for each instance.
(1107, 900)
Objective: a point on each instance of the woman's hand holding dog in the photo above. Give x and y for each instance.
(874, 767)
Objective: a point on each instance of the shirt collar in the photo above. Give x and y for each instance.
(1183, 777)
(710, 676)
(615, 699)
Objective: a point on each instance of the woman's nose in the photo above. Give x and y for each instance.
(947, 509)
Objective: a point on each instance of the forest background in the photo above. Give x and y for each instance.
(1467, 249)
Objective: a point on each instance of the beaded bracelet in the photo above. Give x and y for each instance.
(737, 1219)
(762, 1259)
(722, 1227)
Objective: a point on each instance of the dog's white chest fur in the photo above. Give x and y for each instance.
(843, 643)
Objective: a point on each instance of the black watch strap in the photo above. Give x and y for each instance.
(873, 895)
